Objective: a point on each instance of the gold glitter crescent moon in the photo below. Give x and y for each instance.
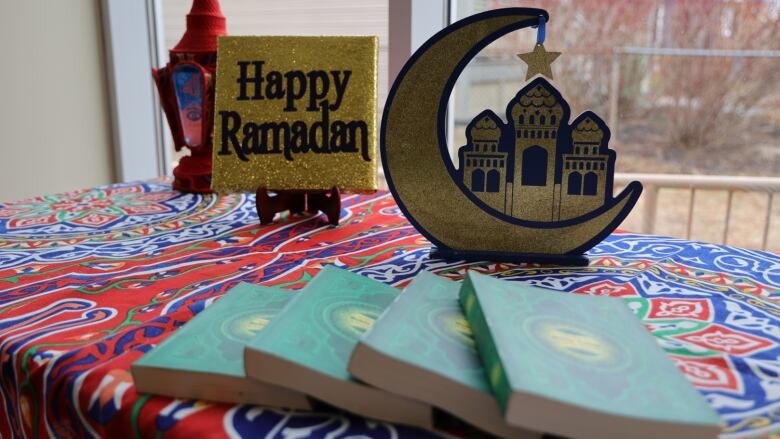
(419, 178)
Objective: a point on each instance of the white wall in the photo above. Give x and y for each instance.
(54, 121)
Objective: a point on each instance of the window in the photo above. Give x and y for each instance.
(477, 180)
(590, 184)
(493, 182)
(534, 166)
(678, 56)
(575, 184)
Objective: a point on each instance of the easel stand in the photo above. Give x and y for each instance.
(327, 202)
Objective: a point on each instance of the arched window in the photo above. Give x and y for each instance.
(546, 134)
(494, 147)
(534, 167)
(531, 119)
(577, 150)
(541, 120)
(539, 134)
(477, 181)
(552, 120)
(590, 184)
(492, 181)
(575, 184)
(525, 133)
(533, 134)
(521, 119)
(553, 134)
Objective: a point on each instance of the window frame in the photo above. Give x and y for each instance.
(133, 45)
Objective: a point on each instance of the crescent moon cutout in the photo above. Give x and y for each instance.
(423, 179)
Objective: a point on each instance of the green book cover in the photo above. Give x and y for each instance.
(558, 350)
(426, 327)
(307, 347)
(323, 323)
(425, 340)
(204, 359)
(213, 341)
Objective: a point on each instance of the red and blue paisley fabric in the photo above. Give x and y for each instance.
(92, 279)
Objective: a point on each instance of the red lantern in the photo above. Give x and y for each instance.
(186, 87)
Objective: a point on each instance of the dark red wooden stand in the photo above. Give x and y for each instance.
(327, 202)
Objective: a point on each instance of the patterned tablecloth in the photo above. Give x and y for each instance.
(92, 279)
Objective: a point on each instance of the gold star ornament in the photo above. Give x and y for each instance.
(539, 62)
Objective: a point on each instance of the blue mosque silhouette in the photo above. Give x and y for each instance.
(537, 166)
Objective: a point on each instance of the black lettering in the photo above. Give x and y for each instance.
(341, 87)
(274, 89)
(294, 93)
(338, 140)
(244, 79)
(322, 126)
(228, 134)
(278, 130)
(251, 143)
(298, 137)
(317, 92)
(359, 127)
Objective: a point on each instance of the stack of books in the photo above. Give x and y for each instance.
(510, 360)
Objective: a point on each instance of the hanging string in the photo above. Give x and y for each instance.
(541, 30)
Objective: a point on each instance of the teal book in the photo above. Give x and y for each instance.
(204, 358)
(424, 339)
(580, 366)
(308, 345)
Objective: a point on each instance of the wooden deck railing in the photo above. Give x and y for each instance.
(653, 183)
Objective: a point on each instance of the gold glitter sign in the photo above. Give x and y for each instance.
(295, 113)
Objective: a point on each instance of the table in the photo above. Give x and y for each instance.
(91, 279)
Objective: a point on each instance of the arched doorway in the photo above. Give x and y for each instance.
(534, 166)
